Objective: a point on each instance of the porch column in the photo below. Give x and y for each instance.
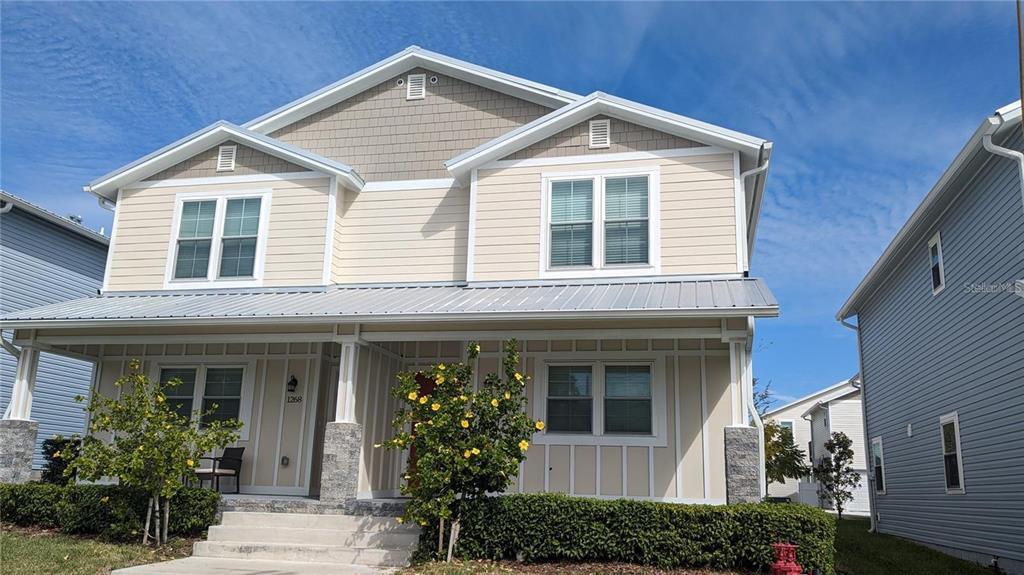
(17, 432)
(343, 437)
(743, 469)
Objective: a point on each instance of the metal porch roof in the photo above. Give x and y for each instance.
(570, 300)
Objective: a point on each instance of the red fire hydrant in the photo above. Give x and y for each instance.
(785, 560)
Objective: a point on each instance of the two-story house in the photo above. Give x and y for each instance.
(940, 324)
(286, 270)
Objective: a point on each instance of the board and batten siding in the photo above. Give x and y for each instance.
(698, 216)
(42, 263)
(295, 238)
(401, 236)
(926, 355)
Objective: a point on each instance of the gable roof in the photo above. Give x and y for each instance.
(106, 186)
(840, 394)
(841, 387)
(45, 214)
(1001, 122)
(411, 57)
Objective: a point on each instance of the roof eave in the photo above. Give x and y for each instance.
(53, 218)
(757, 198)
(1000, 120)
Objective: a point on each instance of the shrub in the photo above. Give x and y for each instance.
(113, 512)
(553, 527)
(59, 452)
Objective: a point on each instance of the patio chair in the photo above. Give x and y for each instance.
(229, 464)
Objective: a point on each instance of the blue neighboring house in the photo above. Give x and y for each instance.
(46, 258)
(940, 319)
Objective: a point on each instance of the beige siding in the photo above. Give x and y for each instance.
(295, 241)
(413, 235)
(386, 137)
(247, 162)
(625, 137)
(698, 216)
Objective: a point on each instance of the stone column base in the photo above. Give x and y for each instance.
(339, 474)
(17, 446)
(742, 463)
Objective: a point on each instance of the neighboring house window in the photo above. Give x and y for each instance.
(570, 399)
(786, 424)
(600, 222)
(878, 465)
(219, 239)
(952, 459)
(938, 271)
(206, 387)
(627, 399)
(179, 397)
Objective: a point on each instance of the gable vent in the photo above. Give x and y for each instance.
(226, 158)
(600, 133)
(416, 87)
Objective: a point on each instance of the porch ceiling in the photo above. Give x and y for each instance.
(371, 304)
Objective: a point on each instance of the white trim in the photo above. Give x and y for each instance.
(705, 441)
(871, 467)
(953, 418)
(113, 242)
(936, 242)
(329, 228)
(677, 431)
(406, 185)
(742, 261)
(601, 158)
(226, 158)
(527, 334)
(211, 180)
(598, 267)
(607, 123)
(213, 266)
(471, 242)
(248, 367)
(598, 360)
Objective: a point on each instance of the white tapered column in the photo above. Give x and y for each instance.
(17, 432)
(343, 437)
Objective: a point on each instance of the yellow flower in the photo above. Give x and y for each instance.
(524, 445)
(439, 379)
(463, 397)
(519, 376)
(190, 463)
(399, 519)
(56, 455)
(160, 399)
(104, 499)
(539, 425)
(413, 395)
(476, 451)
(467, 453)
(423, 400)
(140, 448)
(476, 348)
(430, 422)
(494, 402)
(435, 406)
(441, 367)
(464, 423)
(469, 415)
(508, 395)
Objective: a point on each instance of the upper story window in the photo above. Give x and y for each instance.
(878, 465)
(938, 271)
(787, 424)
(600, 224)
(952, 461)
(218, 240)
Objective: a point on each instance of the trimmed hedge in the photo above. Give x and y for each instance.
(110, 511)
(554, 527)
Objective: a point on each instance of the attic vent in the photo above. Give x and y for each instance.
(226, 158)
(600, 133)
(416, 87)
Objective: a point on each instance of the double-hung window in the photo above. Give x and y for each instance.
(878, 465)
(936, 266)
(952, 462)
(218, 240)
(624, 392)
(627, 399)
(600, 222)
(213, 389)
(179, 396)
(570, 398)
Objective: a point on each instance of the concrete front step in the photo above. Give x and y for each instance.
(383, 539)
(315, 521)
(224, 566)
(301, 552)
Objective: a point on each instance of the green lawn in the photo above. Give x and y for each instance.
(861, 553)
(37, 552)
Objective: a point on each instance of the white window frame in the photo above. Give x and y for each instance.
(871, 457)
(597, 267)
(597, 436)
(212, 279)
(936, 241)
(248, 384)
(792, 426)
(953, 418)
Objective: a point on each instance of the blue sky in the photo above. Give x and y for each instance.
(866, 104)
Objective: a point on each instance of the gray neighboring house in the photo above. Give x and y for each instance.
(46, 258)
(940, 319)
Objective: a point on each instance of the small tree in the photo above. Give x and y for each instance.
(835, 474)
(152, 446)
(466, 444)
(763, 396)
(782, 458)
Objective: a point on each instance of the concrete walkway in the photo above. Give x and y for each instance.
(221, 566)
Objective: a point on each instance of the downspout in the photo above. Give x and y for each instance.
(755, 208)
(748, 368)
(6, 207)
(864, 420)
(1007, 153)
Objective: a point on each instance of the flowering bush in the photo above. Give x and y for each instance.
(463, 444)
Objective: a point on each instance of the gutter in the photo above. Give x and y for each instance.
(757, 195)
(860, 384)
(1004, 152)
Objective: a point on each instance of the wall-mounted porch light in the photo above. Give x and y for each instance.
(293, 384)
